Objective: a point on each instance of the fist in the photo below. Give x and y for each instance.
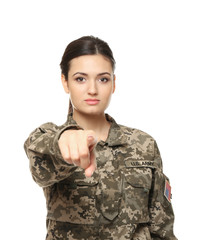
(77, 147)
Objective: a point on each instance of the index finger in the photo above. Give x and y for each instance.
(91, 142)
(90, 170)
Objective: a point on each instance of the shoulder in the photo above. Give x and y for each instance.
(142, 145)
(50, 127)
(136, 134)
(140, 142)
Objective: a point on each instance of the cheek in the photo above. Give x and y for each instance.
(107, 97)
(76, 91)
(108, 92)
(74, 95)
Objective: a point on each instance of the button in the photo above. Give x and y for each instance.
(101, 143)
(146, 190)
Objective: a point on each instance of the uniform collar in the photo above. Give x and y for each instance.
(115, 137)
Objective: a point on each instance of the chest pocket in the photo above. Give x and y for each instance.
(78, 196)
(137, 184)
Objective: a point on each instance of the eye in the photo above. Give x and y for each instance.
(80, 79)
(104, 79)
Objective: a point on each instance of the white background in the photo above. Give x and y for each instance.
(160, 50)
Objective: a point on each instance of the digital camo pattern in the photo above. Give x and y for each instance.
(124, 198)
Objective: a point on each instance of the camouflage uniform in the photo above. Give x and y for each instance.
(124, 198)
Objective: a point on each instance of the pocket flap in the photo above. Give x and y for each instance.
(139, 177)
(141, 180)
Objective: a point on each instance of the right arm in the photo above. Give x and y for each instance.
(50, 159)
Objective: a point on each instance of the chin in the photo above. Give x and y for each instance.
(91, 112)
(95, 113)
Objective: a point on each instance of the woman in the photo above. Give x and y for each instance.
(101, 180)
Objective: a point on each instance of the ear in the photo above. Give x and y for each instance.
(114, 83)
(65, 83)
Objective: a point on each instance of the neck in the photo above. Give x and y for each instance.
(97, 123)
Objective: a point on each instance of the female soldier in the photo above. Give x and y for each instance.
(101, 180)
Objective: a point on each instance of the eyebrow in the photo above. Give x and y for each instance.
(85, 74)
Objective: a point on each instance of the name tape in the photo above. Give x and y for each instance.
(140, 163)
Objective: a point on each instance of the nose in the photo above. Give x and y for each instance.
(92, 87)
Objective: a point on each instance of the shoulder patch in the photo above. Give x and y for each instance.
(167, 191)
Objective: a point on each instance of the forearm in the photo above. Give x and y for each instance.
(161, 222)
(46, 163)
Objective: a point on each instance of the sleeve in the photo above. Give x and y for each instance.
(46, 163)
(161, 212)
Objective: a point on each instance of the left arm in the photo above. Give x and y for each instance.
(160, 208)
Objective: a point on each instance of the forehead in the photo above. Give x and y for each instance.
(88, 63)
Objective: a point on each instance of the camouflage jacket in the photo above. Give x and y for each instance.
(127, 191)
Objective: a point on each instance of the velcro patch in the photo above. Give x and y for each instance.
(167, 191)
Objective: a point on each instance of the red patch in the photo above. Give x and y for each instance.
(167, 191)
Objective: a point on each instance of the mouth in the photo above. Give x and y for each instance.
(92, 101)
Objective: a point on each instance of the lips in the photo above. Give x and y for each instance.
(92, 101)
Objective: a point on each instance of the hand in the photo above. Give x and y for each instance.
(77, 147)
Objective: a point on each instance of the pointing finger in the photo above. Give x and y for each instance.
(90, 170)
(91, 141)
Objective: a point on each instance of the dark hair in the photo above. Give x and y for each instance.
(87, 45)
